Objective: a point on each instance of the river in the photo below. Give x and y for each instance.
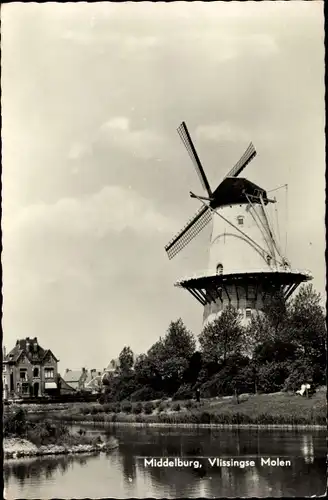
(123, 474)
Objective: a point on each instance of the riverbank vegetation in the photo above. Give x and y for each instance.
(278, 351)
(252, 409)
(26, 436)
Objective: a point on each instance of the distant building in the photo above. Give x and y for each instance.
(29, 370)
(76, 378)
(93, 382)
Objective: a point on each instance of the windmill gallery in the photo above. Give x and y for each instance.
(246, 264)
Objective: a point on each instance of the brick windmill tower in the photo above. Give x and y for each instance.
(246, 265)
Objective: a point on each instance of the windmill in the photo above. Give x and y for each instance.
(246, 264)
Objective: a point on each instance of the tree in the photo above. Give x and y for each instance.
(179, 341)
(308, 326)
(222, 337)
(126, 360)
(274, 350)
(270, 324)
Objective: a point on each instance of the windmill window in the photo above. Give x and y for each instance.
(219, 269)
(240, 220)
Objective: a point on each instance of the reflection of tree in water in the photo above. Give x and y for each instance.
(129, 466)
(242, 444)
(301, 479)
(37, 468)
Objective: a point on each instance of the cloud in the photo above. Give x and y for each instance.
(141, 143)
(111, 209)
(222, 132)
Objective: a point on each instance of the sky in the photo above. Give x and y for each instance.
(96, 180)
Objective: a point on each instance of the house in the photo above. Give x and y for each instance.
(64, 387)
(29, 370)
(76, 378)
(93, 381)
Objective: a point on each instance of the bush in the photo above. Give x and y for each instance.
(137, 408)
(126, 406)
(176, 407)
(109, 407)
(146, 393)
(205, 417)
(162, 406)
(15, 423)
(148, 408)
(184, 392)
(190, 405)
(272, 376)
(301, 372)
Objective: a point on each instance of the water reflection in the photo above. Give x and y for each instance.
(125, 475)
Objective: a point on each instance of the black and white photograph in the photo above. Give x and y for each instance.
(163, 250)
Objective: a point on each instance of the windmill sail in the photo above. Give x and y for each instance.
(186, 139)
(202, 217)
(249, 154)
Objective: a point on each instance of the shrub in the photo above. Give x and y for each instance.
(137, 408)
(190, 405)
(146, 393)
(205, 417)
(272, 376)
(176, 407)
(126, 406)
(184, 392)
(15, 423)
(109, 407)
(162, 406)
(148, 408)
(301, 372)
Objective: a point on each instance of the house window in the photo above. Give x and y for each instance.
(18, 387)
(248, 313)
(49, 373)
(35, 372)
(25, 388)
(240, 220)
(219, 269)
(22, 374)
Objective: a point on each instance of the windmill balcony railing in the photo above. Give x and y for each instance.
(207, 272)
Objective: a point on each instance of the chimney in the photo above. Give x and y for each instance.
(67, 370)
(83, 370)
(28, 343)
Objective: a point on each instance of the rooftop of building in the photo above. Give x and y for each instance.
(31, 348)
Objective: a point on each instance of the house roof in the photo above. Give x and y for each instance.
(65, 385)
(72, 375)
(26, 346)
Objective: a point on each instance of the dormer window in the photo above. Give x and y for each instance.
(240, 220)
(248, 313)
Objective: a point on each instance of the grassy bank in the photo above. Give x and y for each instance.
(270, 410)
